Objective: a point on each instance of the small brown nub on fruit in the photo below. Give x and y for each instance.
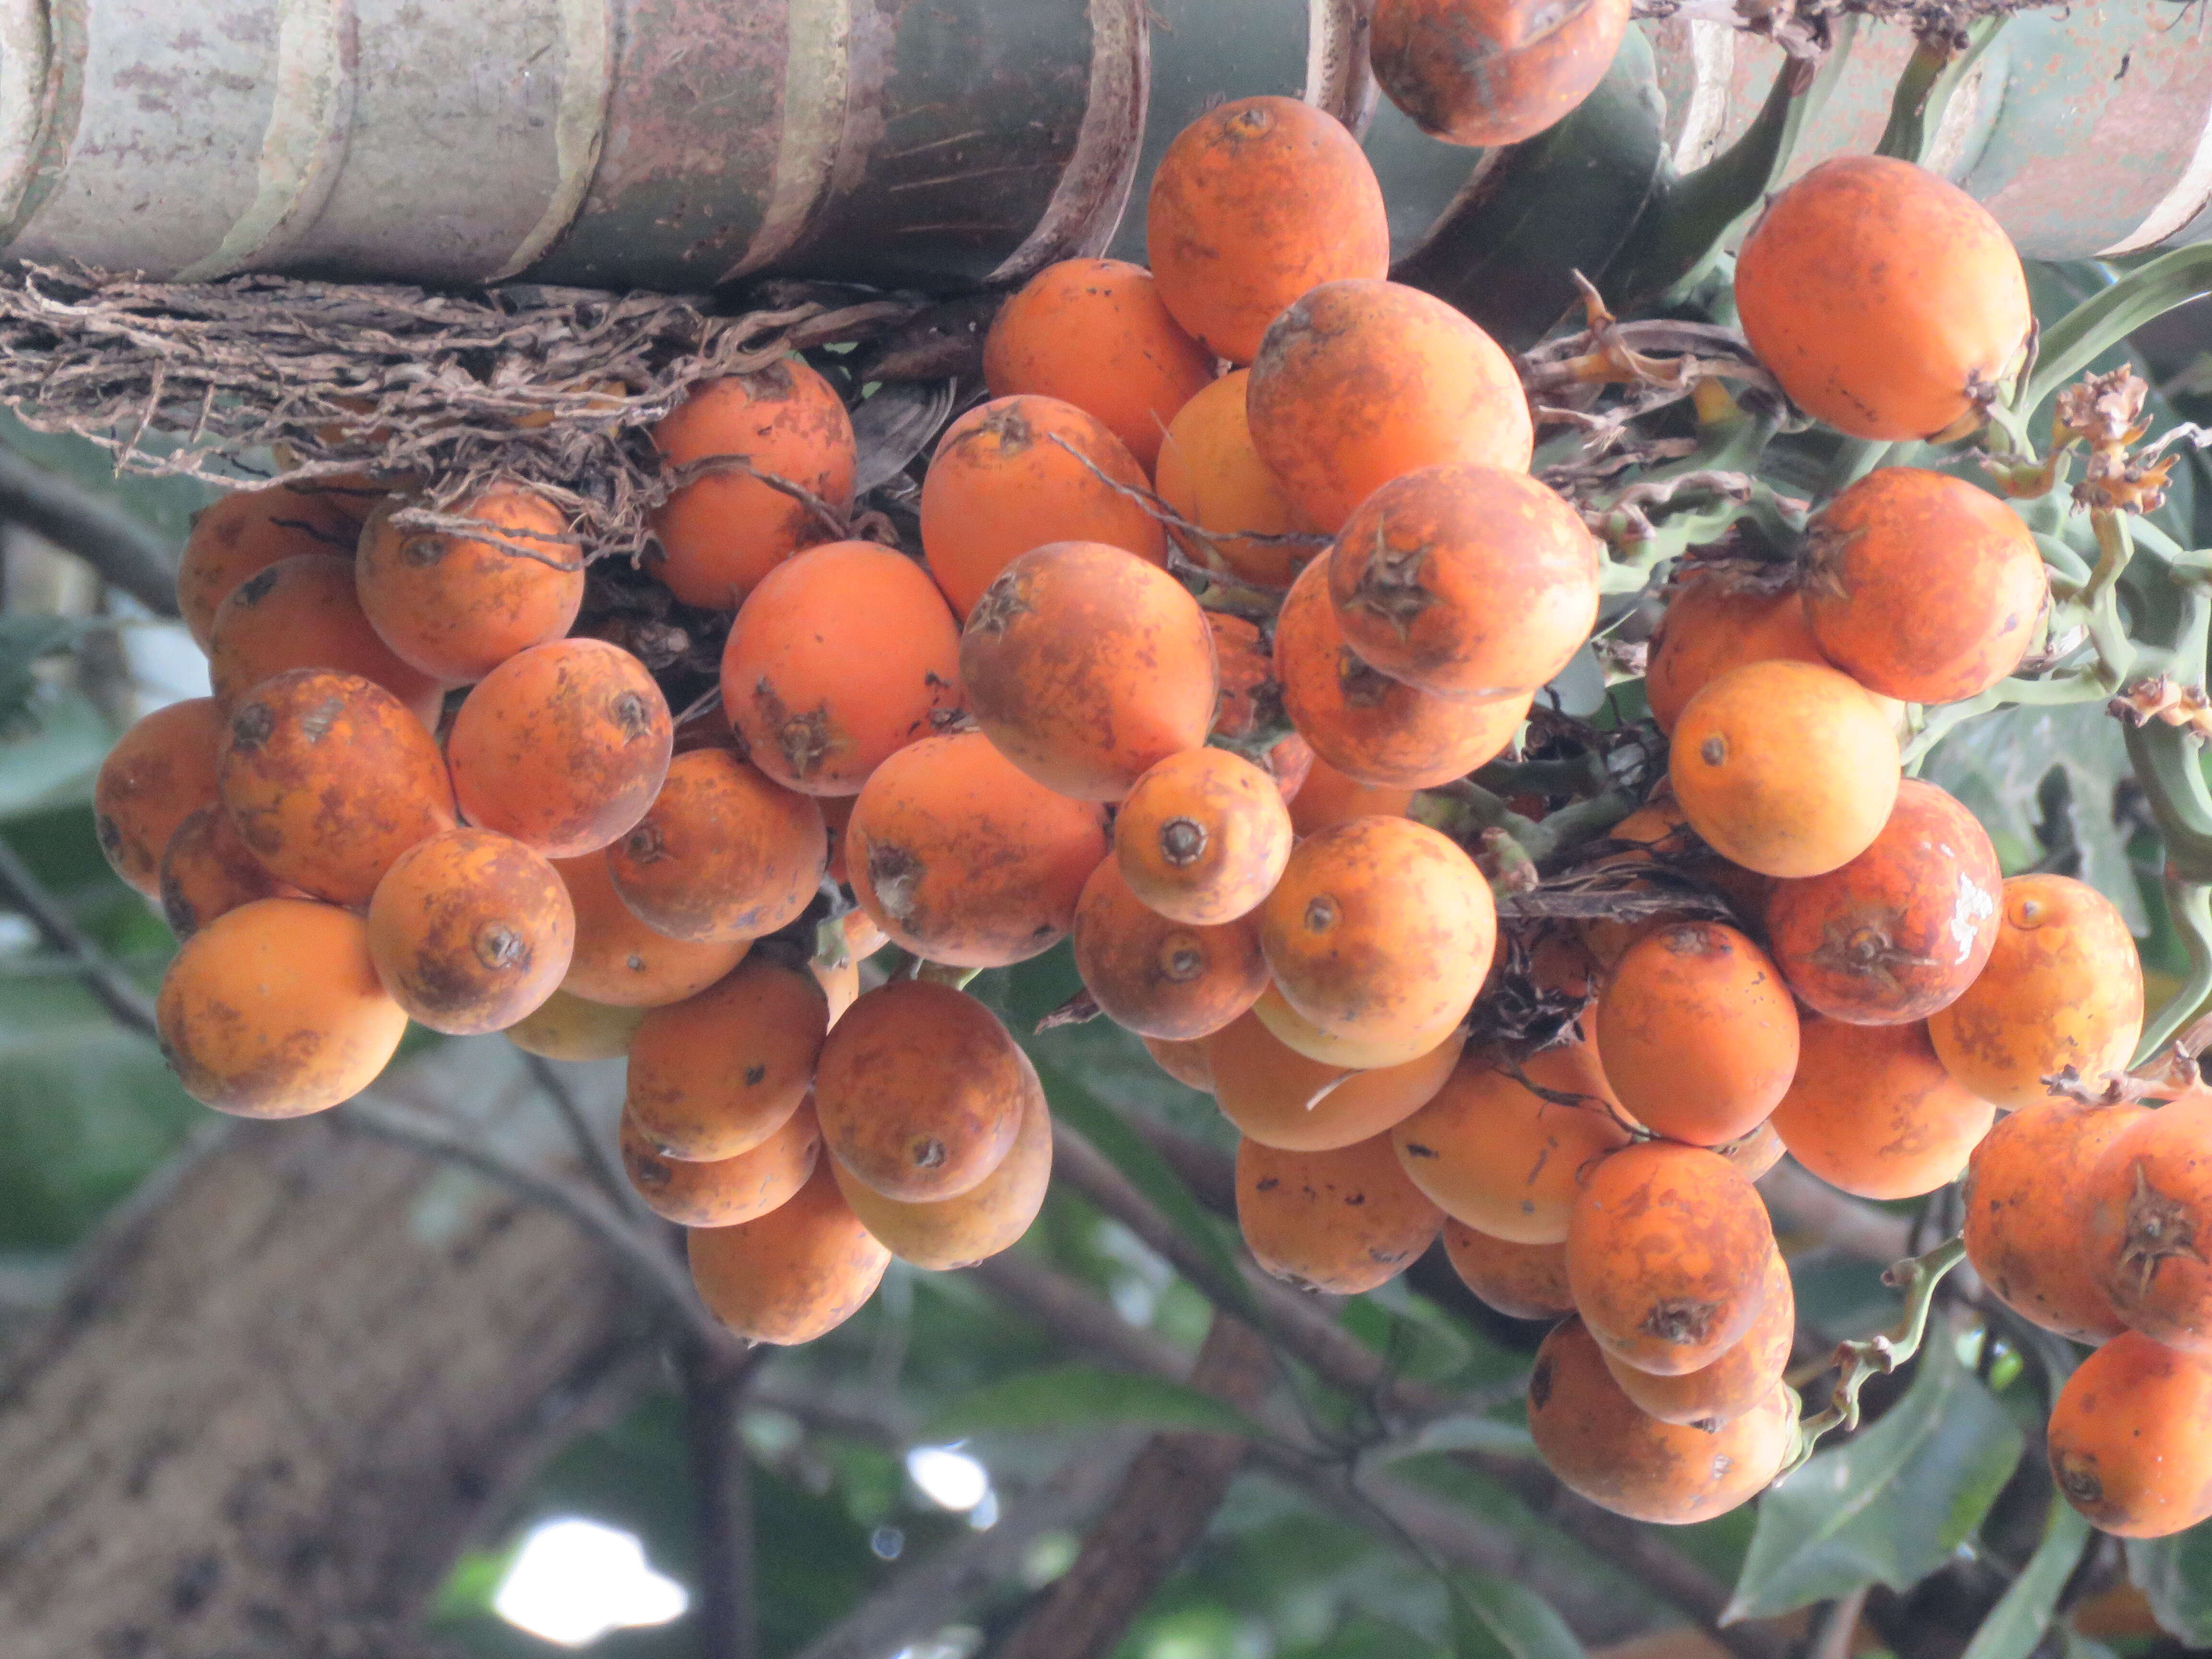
(253, 725)
(420, 550)
(2078, 1479)
(1320, 914)
(1679, 1321)
(1182, 958)
(1713, 750)
(643, 844)
(1181, 840)
(929, 1154)
(632, 715)
(500, 946)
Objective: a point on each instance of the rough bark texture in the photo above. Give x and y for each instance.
(285, 1385)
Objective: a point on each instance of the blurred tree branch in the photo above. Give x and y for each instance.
(125, 553)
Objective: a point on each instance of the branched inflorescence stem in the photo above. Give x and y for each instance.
(1878, 1355)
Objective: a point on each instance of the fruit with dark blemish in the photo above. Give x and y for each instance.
(246, 531)
(1491, 72)
(1739, 1380)
(2130, 1438)
(456, 605)
(728, 1190)
(1344, 1220)
(2026, 1202)
(470, 931)
(304, 612)
(1873, 1111)
(620, 961)
(160, 772)
(722, 853)
(208, 871)
(1203, 837)
(1521, 1281)
(1159, 977)
(2148, 1205)
(716, 1075)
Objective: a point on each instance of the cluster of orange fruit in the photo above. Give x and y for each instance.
(1037, 731)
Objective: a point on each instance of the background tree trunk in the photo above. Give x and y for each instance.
(283, 1387)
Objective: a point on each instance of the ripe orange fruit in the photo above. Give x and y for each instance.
(567, 1027)
(330, 778)
(920, 1091)
(1492, 71)
(273, 1010)
(562, 746)
(992, 1217)
(1902, 930)
(721, 854)
(1715, 620)
(1087, 666)
(1329, 796)
(455, 607)
(1280, 1097)
(2063, 986)
(470, 931)
(1697, 1032)
(1504, 1159)
(160, 772)
(620, 961)
(1888, 301)
(303, 612)
(793, 1274)
(1183, 1061)
(717, 1075)
(1668, 1252)
(1343, 1221)
(1468, 581)
(1372, 729)
(1740, 1381)
(1360, 382)
(208, 871)
(247, 532)
(720, 533)
(729, 1190)
(1158, 978)
(2027, 1213)
(1094, 333)
(1018, 472)
(2130, 1438)
(1254, 202)
(1923, 587)
(962, 859)
(1872, 1111)
(1785, 768)
(1210, 474)
(840, 655)
(2149, 1206)
(1250, 701)
(1593, 1436)
(1380, 931)
(1521, 1281)
(1203, 837)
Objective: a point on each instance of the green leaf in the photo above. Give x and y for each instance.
(2019, 1621)
(1889, 1506)
(1494, 1618)
(1077, 1396)
(2176, 1574)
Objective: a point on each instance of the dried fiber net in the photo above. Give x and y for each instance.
(268, 379)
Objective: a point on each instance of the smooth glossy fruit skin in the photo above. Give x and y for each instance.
(1593, 1436)
(841, 655)
(2063, 987)
(208, 871)
(1521, 1281)
(620, 961)
(1697, 1032)
(1018, 472)
(1715, 620)
(1185, 1062)
(1873, 1112)
(1157, 977)
(1502, 1159)
(920, 1090)
(302, 612)
(1740, 1381)
(1203, 837)
(721, 854)
(1343, 1221)
(715, 1075)
(1280, 1097)
(1360, 382)
(2130, 1438)
(470, 931)
(1923, 587)
(1094, 333)
(1330, 796)
(247, 532)
(1785, 768)
(1254, 204)
(455, 607)
(1086, 667)
(1376, 731)
(329, 779)
(720, 533)
(273, 1010)
(960, 858)
(567, 1027)
(793, 1274)
(1888, 301)
(1492, 71)
(562, 746)
(729, 1190)
(1902, 930)
(1381, 930)
(1209, 473)
(2148, 1204)
(958, 1232)
(1468, 581)
(1666, 1251)
(160, 772)
(2026, 1202)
